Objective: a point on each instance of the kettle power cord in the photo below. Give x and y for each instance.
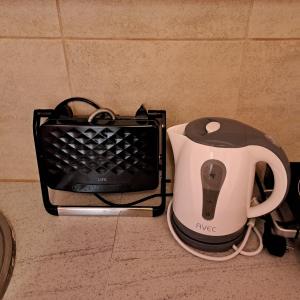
(132, 203)
(238, 250)
(113, 204)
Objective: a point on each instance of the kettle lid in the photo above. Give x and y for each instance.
(223, 132)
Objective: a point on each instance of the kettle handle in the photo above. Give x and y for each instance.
(280, 167)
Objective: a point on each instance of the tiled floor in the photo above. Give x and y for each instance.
(126, 258)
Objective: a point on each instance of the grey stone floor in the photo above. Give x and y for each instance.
(126, 258)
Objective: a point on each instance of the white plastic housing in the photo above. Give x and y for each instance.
(233, 204)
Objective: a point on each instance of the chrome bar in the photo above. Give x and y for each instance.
(105, 211)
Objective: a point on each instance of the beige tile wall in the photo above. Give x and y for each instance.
(231, 58)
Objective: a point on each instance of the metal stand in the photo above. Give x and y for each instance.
(115, 209)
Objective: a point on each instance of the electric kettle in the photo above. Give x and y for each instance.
(215, 160)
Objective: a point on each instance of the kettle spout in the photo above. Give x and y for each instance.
(177, 138)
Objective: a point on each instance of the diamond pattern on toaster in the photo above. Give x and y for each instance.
(102, 150)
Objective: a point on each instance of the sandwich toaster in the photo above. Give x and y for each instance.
(99, 153)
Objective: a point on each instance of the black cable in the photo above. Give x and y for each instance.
(64, 110)
(78, 99)
(275, 244)
(100, 197)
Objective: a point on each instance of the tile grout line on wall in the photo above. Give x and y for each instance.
(249, 19)
(272, 39)
(243, 54)
(64, 45)
(150, 39)
(70, 38)
(65, 38)
(14, 37)
(9, 180)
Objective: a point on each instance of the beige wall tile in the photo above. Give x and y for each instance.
(275, 19)
(28, 18)
(155, 19)
(32, 75)
(188, 79)
(270, 91)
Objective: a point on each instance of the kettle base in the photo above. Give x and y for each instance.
(205, 242)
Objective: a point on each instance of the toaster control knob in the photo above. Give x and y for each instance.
(212, 126)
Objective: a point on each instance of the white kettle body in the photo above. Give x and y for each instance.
(215, 160)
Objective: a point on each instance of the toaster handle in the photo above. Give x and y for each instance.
(281, 179)
(101, 111)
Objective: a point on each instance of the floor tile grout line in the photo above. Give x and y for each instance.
(115, 235)
(64, 46)
(110, 259)
(66, 38)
